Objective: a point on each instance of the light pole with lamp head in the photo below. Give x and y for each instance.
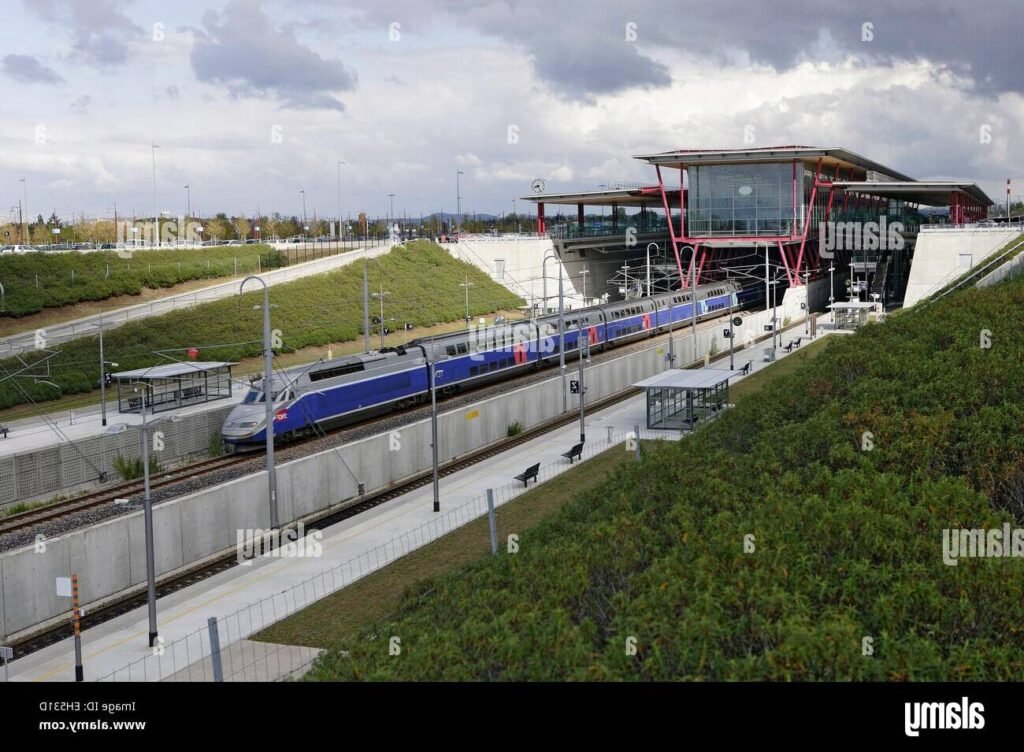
(305, 223)
(188, 202)
(831, 290)
(341, 235)
(268, 396)
(467, 284)
(433, 431)
(649, 246)
(24, 211)
(103, 375)
(458, 202)
(147, 502)
(156, 212)
(584, 274)
(807, 303)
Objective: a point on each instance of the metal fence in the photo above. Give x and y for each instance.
(222, 651)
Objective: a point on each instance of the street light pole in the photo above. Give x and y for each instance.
(649, 266)
(584, 274)
(561, 341)
(582, 342)
(807, 304)
(24, 213)
(341, 235)
(831, 290)
(156, 213)
(366, 306)
(148, 518)
(433, 434)
(305, 226)
(458, 201)
(467, 284)
(188, 202)
(268, 395)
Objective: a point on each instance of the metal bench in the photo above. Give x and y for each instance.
(575, 453)
(746, 369)
(529, 474)
(789, 348)
(3, 430)
(796, 342)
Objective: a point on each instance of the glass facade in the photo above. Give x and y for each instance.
(747, 199)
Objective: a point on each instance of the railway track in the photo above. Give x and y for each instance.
(173, 583)
(60, 509)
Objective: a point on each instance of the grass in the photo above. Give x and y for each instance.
(420, 283)
(378, 595)
(782, 367)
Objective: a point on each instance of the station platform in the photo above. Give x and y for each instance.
(246, 598)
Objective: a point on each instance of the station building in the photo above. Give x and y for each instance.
(709, 214)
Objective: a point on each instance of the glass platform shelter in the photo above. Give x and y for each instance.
(681, 399)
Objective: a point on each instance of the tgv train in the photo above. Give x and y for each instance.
(351, 388)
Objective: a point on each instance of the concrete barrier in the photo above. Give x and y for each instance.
(76, 465)
(109, 558)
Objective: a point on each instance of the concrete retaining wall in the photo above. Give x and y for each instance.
(941, 256)
(73, 465)
(110, 557)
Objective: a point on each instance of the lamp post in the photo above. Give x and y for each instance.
(341, 235)
(584, 274)
(649, 246)
(458, 201)
(103, 376)
(561, 341)
(24, 212)
(807, 303)
(775, 321)
(467, 284)
(148, 512)
(188, 202)
(433, 434)
(391, 217)
(544, 276)
(831, 291)
(268, 396)
(582, 344)
(305, 227)
(380, 296)
(156, 213)
(366, 306)
(693, 304)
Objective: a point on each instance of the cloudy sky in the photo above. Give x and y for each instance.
(252, 101)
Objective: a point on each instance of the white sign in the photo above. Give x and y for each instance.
(64, 587)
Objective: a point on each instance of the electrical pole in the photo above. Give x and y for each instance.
(582, 342)
(433, 433)
(268, 396)
(366, 307)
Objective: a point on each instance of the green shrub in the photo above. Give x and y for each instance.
(514, 428)
(770, 548)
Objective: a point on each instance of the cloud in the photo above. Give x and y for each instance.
(100, 30)
(243, 50)
(81, 105)
(591, 48)
(28, 70)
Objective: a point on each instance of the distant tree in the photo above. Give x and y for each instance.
(242, 227)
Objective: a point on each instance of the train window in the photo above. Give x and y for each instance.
(450, 349)
(462, 348)
(474, 370)
(252, 397)
(492, 366)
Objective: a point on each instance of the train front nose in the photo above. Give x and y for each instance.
(243, 423)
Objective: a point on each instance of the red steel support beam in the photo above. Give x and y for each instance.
(794, 278)
(540, 218)
(668, 220)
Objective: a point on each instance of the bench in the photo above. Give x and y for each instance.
(575, 453)
(796, 342)
(529, 474)
(3, 430)
(746, 369)
(789, 348)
